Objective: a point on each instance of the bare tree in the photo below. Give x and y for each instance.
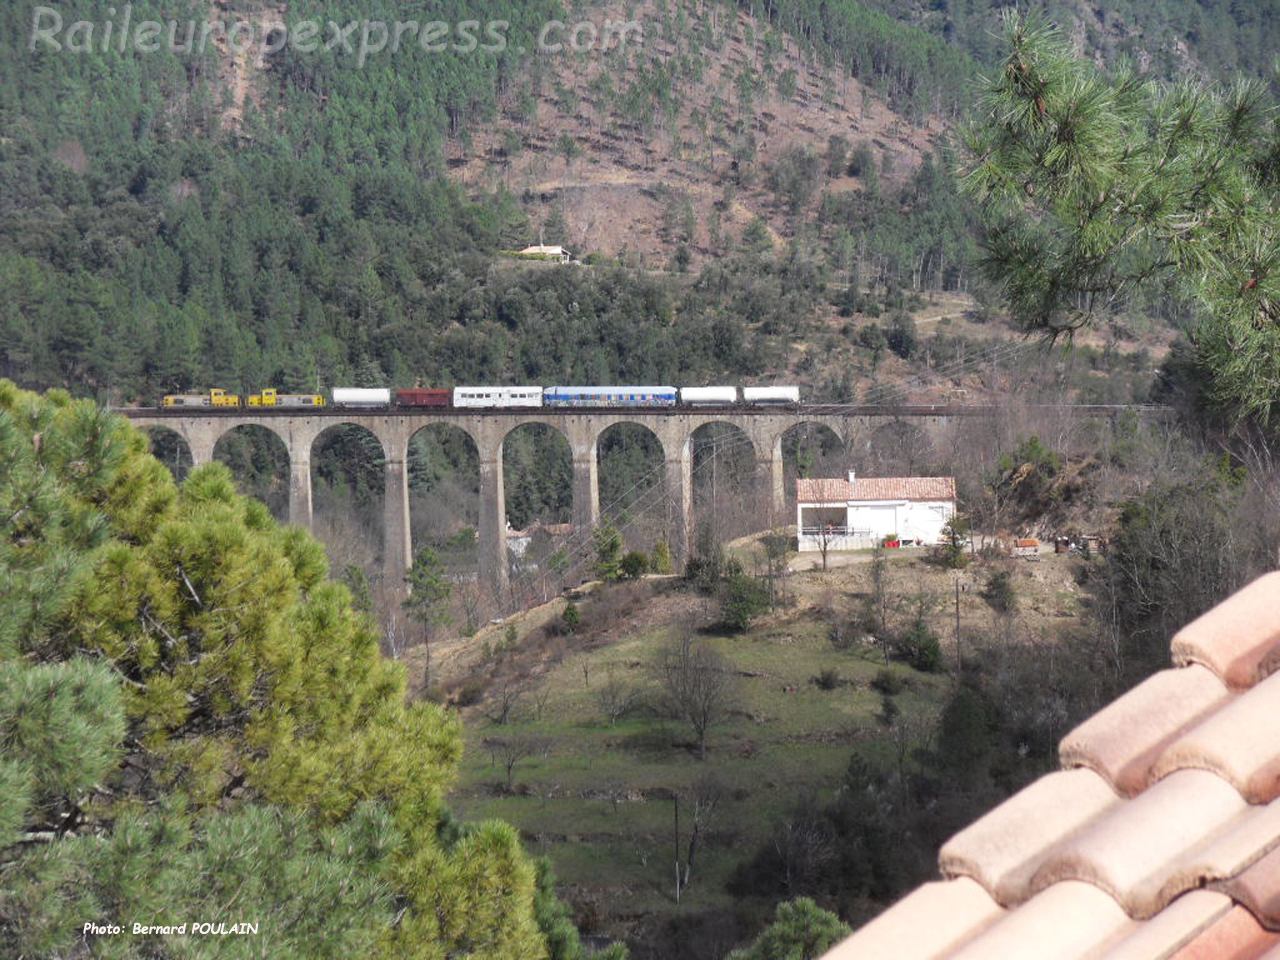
(804, 844)
(699, 684)
(615, 697)
(508, 696)
(509, 751)
(826, 536)
(705, 796)
(466, 588)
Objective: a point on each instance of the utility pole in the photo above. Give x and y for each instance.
(676, 798)
(959, 655)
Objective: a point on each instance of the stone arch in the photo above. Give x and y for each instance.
(810, 448)
(444, 492)
(511, 424)
(225, 425)
(537, 472)
(631, 461)
(725, 479)
(347, 473)
(897, 448)
(258, 458)
(171, 447)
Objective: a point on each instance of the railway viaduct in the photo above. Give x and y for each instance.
(674, 428)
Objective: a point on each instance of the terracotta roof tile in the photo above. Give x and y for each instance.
(1239, 639)
(957, 910)
(1240, 743)
(1171, 929)
(1234, 936)
(904, 488)
(1122, 741)
(1003, 850)
(1258, 888)
(1189, 827)
(1067, 921)
(1160, 837)
(822, 490)
(840, 490)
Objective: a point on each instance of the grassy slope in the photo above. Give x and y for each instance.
(598, 802)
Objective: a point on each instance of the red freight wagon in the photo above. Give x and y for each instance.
(423, 398)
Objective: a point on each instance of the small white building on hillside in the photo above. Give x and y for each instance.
(543, 252)
(855, 514)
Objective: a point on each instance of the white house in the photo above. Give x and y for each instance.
(854, 514)
(547, 253)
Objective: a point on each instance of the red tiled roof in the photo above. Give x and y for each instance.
(875, 488)
(1158, 838)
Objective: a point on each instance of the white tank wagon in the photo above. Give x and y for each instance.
(709, 396)
(770, 396)
(361, 397)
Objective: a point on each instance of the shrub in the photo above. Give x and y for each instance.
(844, 634)
(660, 562)
(744, 599)
(827, 679)
(888, 682)
(572, 616)
(889, 711)
(470, 693)
(954, 537)
(919, 647)
(634, 565)
(710, 565)
(999, 591)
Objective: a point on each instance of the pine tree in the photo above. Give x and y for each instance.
(179, 653)
(801, 931)
(608, 546)
(1092, 187)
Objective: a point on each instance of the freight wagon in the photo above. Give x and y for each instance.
(423, 398)
(361, 397)
(770, 396)
(709, 396)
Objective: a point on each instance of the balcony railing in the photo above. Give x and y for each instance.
(832, 531)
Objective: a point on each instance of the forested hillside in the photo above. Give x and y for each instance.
(1167, 37)
(171, 221)
(174, 220)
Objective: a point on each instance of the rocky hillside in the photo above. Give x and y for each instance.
(674, 140)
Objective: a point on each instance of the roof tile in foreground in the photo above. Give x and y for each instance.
(1122, 741)
(930, 922)
(1239, 639)
(1234, 936)
(1159, 839)
(1258, 888)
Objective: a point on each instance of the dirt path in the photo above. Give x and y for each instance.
(954, 315)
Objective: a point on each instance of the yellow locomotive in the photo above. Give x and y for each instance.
(214, 398)
(267, 398)
(272, 398)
